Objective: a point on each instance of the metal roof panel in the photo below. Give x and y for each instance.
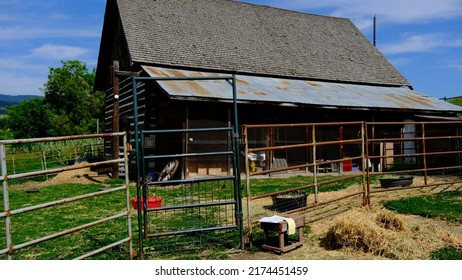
(267, 89)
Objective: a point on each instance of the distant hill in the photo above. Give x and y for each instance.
(455, 100)
(8, 100)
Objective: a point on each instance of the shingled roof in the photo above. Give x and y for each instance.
(232, 36)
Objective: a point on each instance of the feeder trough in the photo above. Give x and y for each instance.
(396, 182)
(289, 201)
(153, 202)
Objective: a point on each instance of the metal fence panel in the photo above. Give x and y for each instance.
(58, 164)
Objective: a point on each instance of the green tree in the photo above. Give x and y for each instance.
(27, 119)
(71, 106)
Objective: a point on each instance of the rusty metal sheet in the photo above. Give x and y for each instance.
(297, 92)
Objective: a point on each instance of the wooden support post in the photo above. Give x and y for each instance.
(115, 119)
(116, 73)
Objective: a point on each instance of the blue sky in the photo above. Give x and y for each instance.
(422, 38)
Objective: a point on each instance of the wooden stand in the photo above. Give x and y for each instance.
(281, 228)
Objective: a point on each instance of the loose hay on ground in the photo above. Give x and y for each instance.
(391, 221)
(386, 234)
(354, 231)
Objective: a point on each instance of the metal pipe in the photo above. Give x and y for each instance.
(237, 167)
(299, 166)
(188, 206)
(137, 159)
(61, 138)
(6, 202)
(300, 125)
(208, 154)
(191, 231)
(294, 146)
(191, 181)
(324, 203)
(366, 196)
(424, 149)
(247, 181)
(416, 187)
(315, 169)
(127, 197)
(305, 186)
(189, 130)
(65, 232)
(57, 170)
(61, 201)
(102, 249)
(375, 32)
(415, 138)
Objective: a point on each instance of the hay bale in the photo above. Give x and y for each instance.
(389, 220)
(354, 231)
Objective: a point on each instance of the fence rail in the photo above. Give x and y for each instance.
(9, 212)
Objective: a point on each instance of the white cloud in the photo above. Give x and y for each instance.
(15, 84)
(361, 12)
(421, 43)
(457, 65)
(397, 11)
(23, 32)
(400, 61)
(60, 52)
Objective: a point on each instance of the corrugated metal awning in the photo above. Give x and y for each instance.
(296, 92)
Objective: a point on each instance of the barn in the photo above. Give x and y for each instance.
(289, 67)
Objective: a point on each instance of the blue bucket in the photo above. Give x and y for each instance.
(152, 175)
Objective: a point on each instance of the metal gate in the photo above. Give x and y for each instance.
(172, 205)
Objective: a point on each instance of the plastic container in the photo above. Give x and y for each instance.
(153, 202)
(347, 165)
(152, 175)
(396, 182)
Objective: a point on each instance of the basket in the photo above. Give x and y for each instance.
(153, 202)
(289, 201)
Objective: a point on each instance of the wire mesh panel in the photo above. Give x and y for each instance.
(190, 207)
(188, 194)
(198, 205)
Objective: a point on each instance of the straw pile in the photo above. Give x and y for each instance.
(385, 234)
(389, 220)
(354, 231)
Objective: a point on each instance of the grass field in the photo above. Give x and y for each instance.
(445, 206)
(36, 224)
(27, 226)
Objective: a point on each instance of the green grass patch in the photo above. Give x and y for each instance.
(39, 223)
(456, 101)
(201, 245)
(444, 205)
(447, 253)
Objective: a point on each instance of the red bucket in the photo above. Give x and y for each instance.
(153, 202)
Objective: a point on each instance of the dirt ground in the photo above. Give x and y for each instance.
(81, 175)
(416, 241)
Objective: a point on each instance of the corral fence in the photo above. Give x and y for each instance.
(29, 159)
(355, 153)
(431, 150)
